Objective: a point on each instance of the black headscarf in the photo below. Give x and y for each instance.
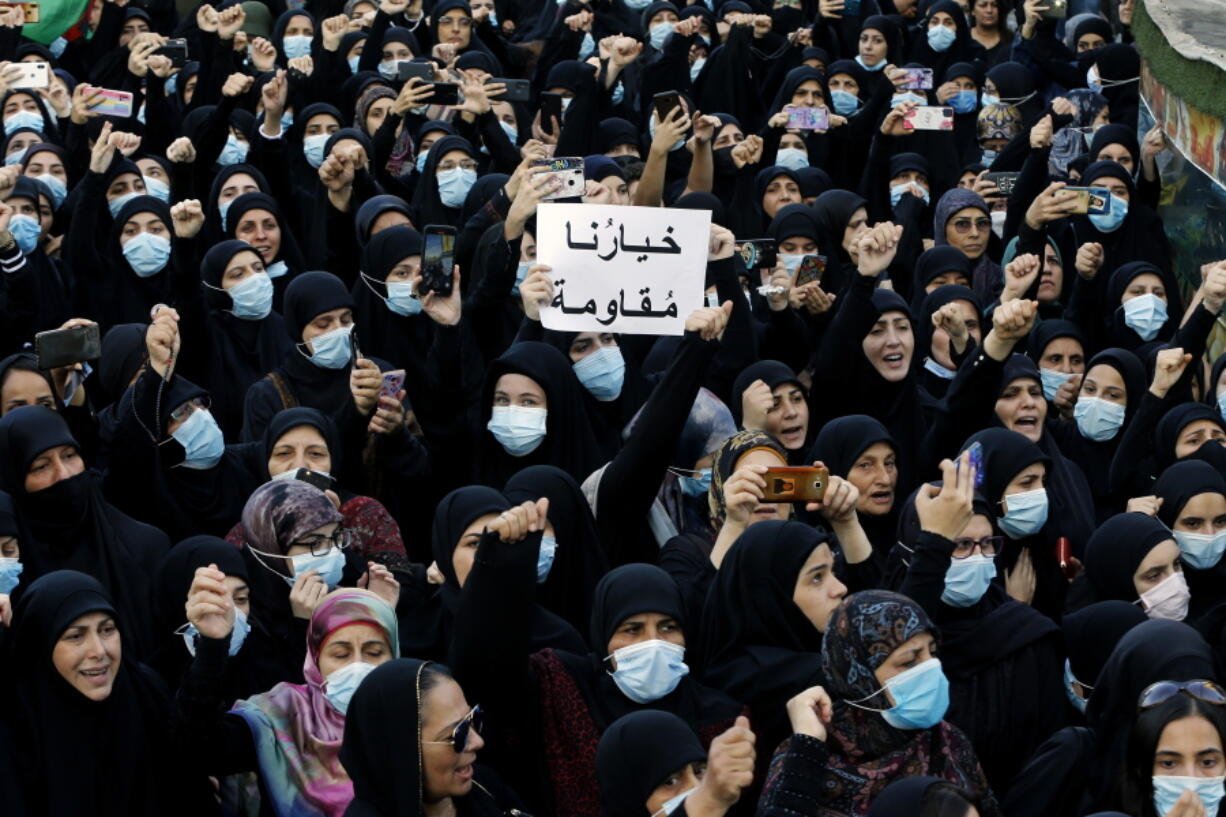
(1172, 425)
(123, 353)
(428, 207)
(839, 444)
(288, 252)
(579, 561)
(1091, 634)
(834, 210)
(1140, 238)
(1183, 481)
(938, 261)
(1047, 331)
(636, 754)
(616, 131)
(1115, 551)
(771, 372)
(370, 211)
(1120, 63)
(903, 798)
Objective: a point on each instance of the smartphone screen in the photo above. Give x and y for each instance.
(446, 93)
(551, 109)
(437, 259)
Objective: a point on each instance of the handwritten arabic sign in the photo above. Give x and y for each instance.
(635, 270)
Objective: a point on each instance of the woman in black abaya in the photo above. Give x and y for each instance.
(840, 214)
(440, 194)
(1193, 495)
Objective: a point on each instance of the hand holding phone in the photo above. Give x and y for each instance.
(437, 260)
(795, 484)
(393, 382)
(929, 117)
(56, 348)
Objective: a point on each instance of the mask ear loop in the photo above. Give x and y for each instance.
(857, 703)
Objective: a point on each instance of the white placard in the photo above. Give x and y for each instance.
(634, 270)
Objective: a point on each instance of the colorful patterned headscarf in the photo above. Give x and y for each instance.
(297, 733)
(280, 512)
(726, 458)
(863, 631)
(999, 122)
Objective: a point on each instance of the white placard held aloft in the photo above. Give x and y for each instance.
(633, 270)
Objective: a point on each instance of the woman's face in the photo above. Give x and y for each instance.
(10, 548)
(808, 94)
(87, 655)
(447, 771)
(25, 388)
(792, 140)
(313, 541)
(321, 123)
(780, 192)
(236, 185)
(352, 643)
(1204, 514)
(986, 13)
(586, 343)
(797, 245)
(455, 158)
(356, 49)
(1051, 281)
(947, 278)
(1195, 434)
(619, 191)
(1064, 355)
(376, 113)
(676, 783)
(53, 465)
(856, 225)
(818, 591)
(875, 475)
(967, 181)
(766, 510)
(18, 144)
(42, 212)
(455, 27)
(640, 627)
(242, 266)
(519, 390)
(872, 46)
(1158, 565)
(260, 229)
(1030, 478)
(728, 136)
(20, 102)
(388, 218)
(300, 447)
(968, 230)
(940, 338)
(326, 322)
(1022, 408)
(45, 161)
(1144, 284)
(889, 346)
(406, 270)
(942, 18)
(1189, 747)
(911, 653)
(1116, 153)
(143, 223)
(149, 168)
(844, 82)
(397, 51)
(527, 247)
(124, 184)
(299, 26)
(1116, 186)
(787, 420)
(1105, 383)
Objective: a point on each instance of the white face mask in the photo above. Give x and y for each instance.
(1167, 599)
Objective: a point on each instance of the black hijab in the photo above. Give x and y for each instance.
(938, 261)
(1172, 424)
(637, 753)
(1116, 550)
(288, 252)
(771, 372)
(428, 207)
(123, 353)
(834, 210)
(1092, 633)
(841, 442)
(962, 50)
(308, 296)
(370, 211)
(1140, 238)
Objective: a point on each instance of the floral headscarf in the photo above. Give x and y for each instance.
(863, 631)
(726, 458)
(280, 512)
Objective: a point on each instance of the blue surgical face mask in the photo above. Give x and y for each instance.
(544, 558)
(10, 574)
(454, 184)
(1221, 405)
(587, 47)
(521, 272)
(1093, 83)
(845, 103)
(866, 67)
(14, 158)
(921, 697)
(792, 158)
(1168, 788)
(153, 187)
(619, 93)
(222, 210)
(660, 34)
(313, 148)
(518, 429)
(1110, 222)
(332, 350)
(238, 634)
(510, 130)
(59, 190)
(1052, 381)
(1199, 550)
(252, 297)
(390, 69)
(990, 99)
(1098, 419)
(172, 82)
(696, 68)
(907, 96)
(147, 253)
(26, 231)
(234, 152)
(967, 580)
(420, 161)
(649, 670)
(1145, 315)
(276, 269)
(939, 370)
(637, 5)
(116, 204)
(1025, 513)
(696, 486)
(1079, 703)
(23, 119)
(493, 18)
(287, 120)
(57, 47)
(201, 439)
(791, 261)
(602, 373)
(298, 45)
(328, 565)
(964, 101)
(340, 685)
(672, 804)
(402, 298)
(940, 38)
(897, 191)
(988, 156)
(353, 63)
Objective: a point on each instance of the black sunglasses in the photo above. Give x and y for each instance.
(472, 722)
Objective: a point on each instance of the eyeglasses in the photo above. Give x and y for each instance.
(184, 411)
(320, 545)
(988, 546)
(474, 721)
(1163, 691)
(467, 164)
(964, 225)
(456, 22)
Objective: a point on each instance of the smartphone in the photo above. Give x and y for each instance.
(64, 347)
(918, 79)
(393, 382)
(551, 109)
(757, 253)
(808, 118)
(407, 69)
(567, 168)
(929, 117)
(31, 10)
(518, 90)
(176, 50)
(1004, 181)
(800, 484)
(113, 103)
(445, 93)
(851, 8)
(812, 267)
(438, 258)
(1091, 200)
(1056, 9)
(976, 458)
(664, 103)
(33, 75)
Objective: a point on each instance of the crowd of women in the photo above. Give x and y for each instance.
(241, 574)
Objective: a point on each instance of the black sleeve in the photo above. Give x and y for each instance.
(1132, 468)
(220, 743)
(794, 784)
(968, 404)
(925, 581)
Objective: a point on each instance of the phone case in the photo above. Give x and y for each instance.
(436, 271)
(812, 267)
(518, 90)
(1003, 181)
(567, 168)
(33, 75)
(1056, 9)
(446, 93)
(113, 103)
(407, 70)
(802, 484)
(63, 347)
(808, 118)
(393, 382)
(1092, 200)
(929, 117)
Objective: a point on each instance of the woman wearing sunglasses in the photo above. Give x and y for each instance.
(1175, 765)
(962, 220)
(411, 744)
(291, 735)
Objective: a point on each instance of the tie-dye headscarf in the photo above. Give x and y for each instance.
(297, 733)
